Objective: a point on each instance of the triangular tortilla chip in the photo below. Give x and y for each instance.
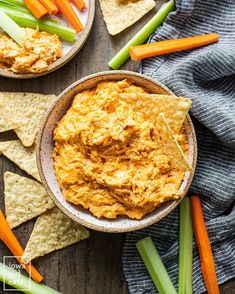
(24, 157)
(5, 125)
(149, 106)
(24, 199)
(25, 110)
(171, 145)
(120, 14)
(52, 231)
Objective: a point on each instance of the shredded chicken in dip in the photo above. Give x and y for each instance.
(37, 52)
(110, 159)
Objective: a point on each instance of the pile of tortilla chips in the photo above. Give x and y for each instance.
(120, 14)
(26, 198)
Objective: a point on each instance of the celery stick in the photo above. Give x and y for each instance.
(185, 248)
(27, 20)
(15, 2)
(10, 27)
(20, 282)
(142, 35)
(22, 10)
(155, 267)
(16, 8)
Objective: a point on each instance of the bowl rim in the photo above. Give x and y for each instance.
(76, 47)
(154, 219)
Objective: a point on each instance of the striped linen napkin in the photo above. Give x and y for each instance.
(206, 76)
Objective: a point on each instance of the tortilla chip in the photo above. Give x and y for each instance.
(24, 157)
(174, 108)
(5, 125)
(24, 199)
(25, 110)
(171, 145)
(120, 14)
(52, 231)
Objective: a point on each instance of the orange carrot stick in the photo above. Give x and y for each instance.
(37, 9)
(50, 6)
(169, 46)
(8, 237)
(68, 12)
(204, 247)
(80, 4)
(54, 1)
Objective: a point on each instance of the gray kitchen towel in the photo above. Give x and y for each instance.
(206, 76)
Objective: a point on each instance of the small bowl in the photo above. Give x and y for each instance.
(45, 146)
(70, 50)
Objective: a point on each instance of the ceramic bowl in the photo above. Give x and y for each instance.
(45, 146)
(70, 50)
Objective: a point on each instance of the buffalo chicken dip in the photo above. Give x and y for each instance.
(120, 151)
(37, 51)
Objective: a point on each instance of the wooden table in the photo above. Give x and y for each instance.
(92, 266)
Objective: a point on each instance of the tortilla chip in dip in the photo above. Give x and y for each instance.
(52, 231)
(25, 110)
(120, 14)
(175, 108)
(171, 145)
(112, 159)
(24, 157)
(24, 199)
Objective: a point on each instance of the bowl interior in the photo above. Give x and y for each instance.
(45, 161)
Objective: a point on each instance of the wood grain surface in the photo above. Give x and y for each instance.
(92, 266)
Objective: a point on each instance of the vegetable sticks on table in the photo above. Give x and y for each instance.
(185, 248)
(37, 9)
(68, 12)
(142, 35)
(170, 46)
(204, 247)
(155, 267)
(8, 237)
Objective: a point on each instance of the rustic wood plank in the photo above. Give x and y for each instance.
(94, 265)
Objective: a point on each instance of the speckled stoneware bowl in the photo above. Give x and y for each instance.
(70, 50)
(45, 162)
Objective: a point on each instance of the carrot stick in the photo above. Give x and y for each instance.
(169, 46)
(140, 38)
(50, 6)
(37, 9)
(204, 247)
(54, 1)
(80, 4)
(68, 12)
(8, 237)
